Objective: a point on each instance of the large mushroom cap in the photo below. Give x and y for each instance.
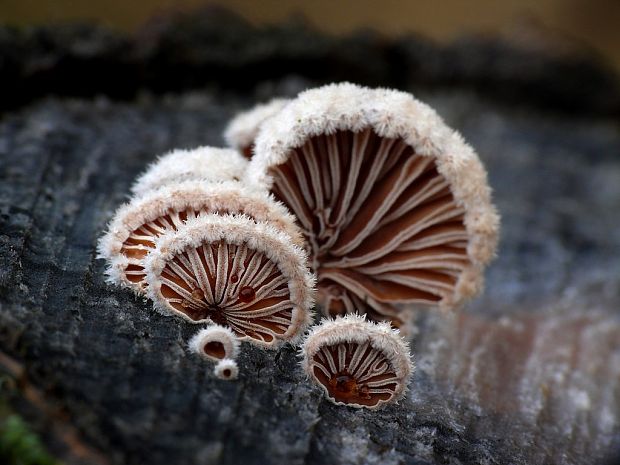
(241, 131)
(136, 225)
(394, 204)
(210, 164)
(235, 272)
(357, 362)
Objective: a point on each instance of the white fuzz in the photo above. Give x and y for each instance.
(236, 231)
(242, 130)
(215, 343)
(356, 330)
(226, 370)
(209, 164)
(393, 116)
(197, 196)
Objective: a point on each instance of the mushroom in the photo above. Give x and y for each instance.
(357, 362)
(242, 130)
(235, 272)
(204, 163)
(136, 225)
(226, 369)
(395, 206)
(215, 343)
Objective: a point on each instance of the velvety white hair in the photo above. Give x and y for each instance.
(215, 333)
(290, 259)
(354, 328)
(207, 164)
(242, 130)
(390, 114)
(226, 369)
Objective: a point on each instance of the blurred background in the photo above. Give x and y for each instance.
(593, 24)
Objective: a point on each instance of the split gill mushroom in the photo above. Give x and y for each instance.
(235, 272)
(356, 362)
(241, 131)
(395, 206)
(206, 164)
(215, 343)
(136, 226)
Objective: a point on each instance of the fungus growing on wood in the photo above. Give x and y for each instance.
(226, 369)
(357, 362)
(394, 204)
(233, 271)
(242, 130)
(215, 343)
(136, 225)
(204, 163)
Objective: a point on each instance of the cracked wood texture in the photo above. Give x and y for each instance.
(529, 373)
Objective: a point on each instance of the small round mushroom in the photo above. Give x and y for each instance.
(210, 164)
(215, 343)
(226, 369)
(242, 130)
(136, 225)
(235, 272)
(394, 204)
(357, 362)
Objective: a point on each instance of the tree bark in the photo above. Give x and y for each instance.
(529, 373)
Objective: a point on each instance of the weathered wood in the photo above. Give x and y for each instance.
(527, 374)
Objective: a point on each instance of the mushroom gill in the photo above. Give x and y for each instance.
(235, 272)
(394, 205)
(136, 225)
(357, 363)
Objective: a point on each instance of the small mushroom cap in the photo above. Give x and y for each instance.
(394, 204)
(358, 363)
(136, 225)
(209, 164)
(233, 271)
(215, 343)
(242, 130)
(226, 369)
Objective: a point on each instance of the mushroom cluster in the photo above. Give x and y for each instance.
(364, 192)
(207, 248)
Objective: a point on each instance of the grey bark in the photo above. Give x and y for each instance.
(529, 373)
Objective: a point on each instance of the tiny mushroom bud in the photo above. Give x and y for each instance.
(215, 343)
(358, 363)
(210, 164)
(233, 271)
(136, 225)
(394, 204)
(226, 369)
(243, 128)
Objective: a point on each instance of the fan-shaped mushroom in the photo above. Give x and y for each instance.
(215, 343)
(235, 272)
(394, 204)
(241, 131)
(136, 225)
(204, 163)
(226, 369)
(357, 362)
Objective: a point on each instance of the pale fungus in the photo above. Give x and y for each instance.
(207, 164)
(356, 362)
(136, 225)
(215, 343)
(395, 206)
(241, 131)
(235, 272)
(226, 369)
